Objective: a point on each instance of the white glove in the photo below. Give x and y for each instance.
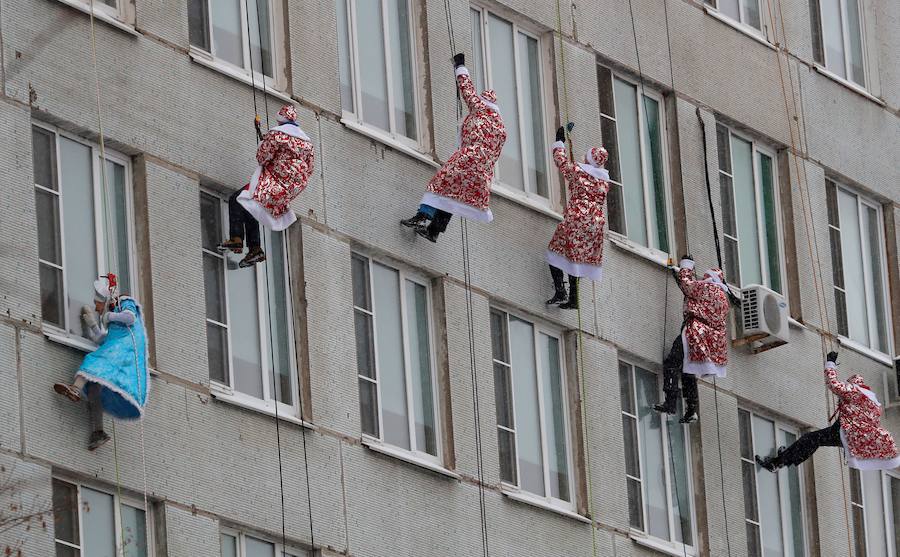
(89, 316)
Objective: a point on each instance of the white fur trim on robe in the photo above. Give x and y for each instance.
(865, 464)
(455, 207)
(259, 212)
(700, 369)
(581, 270)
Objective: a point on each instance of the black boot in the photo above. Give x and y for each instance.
(559, 294)
(572, 302)
(771, 463)
(669, 406)
(427, 232)
(419, 220)
(690, 414)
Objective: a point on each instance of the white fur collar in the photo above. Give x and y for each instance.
(292, 130)
(869, 394)
(595, 171)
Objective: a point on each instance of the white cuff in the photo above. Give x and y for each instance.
(830, 365)
(558, 145)
(461, 71)
(686, 264)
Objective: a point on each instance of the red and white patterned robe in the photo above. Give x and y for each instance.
(463, 185)
(869, 446)
(285, 158)
(705, 333)
(577, 244)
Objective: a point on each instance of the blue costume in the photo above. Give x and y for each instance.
(119, 365)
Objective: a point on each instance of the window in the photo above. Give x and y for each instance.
(656, 462)
(85, 224)
(93, 523)
(893, 518)
(245, 35)
(508, 60)
(530, 396)
(773, 503)
(745, 12)
(378, 66)
(750, 211)
(239, 544)
(874, 507)
(858, 268)
(633, 135)
(250, 348)
(838, 38)
(395, 358)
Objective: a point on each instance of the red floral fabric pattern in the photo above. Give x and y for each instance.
(287, 163)
(705, 312)
(466, 176)
(860, 420)
(579, 237)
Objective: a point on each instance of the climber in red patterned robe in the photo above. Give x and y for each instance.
(703, 338)
(867, 445)
(285, 158)
(463, 185)
(577, 245)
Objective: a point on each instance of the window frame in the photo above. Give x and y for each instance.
(892, 533)
(279, 549)
(884, 478)
(269, 401)
(645, 161)
(739, 22)
(278, 32)
(780, 429)
(118, 503)
(845, 38)
(403, 275)
(553, 332)
(532, 197)
(99, 188)
(755, 150)
(863, 202)
(678, 547)
(356, 117)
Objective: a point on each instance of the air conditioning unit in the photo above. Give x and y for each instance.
(764, 318)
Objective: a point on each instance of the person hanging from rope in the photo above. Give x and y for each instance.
(702, 347)
(285, 156)
(577, 245)
(113, 377)
(463, 185)
(857, 429)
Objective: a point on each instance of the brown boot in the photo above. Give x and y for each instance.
(234, 245)
(68, 391)
(254, 256)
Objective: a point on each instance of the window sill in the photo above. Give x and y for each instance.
(669, 548)
(206, 60)
(523, 199)
(651, 255)
(61, 337)
(879, 357)
(388, 141)
(751, 32)
(408, 457)
(249, 403)
(848, 84)
(101, 16)
(516, 494)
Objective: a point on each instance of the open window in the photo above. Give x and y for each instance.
(234, 543)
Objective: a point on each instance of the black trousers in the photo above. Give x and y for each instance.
(808, 443)
(241, 223)
(440, 221)
(673, 374)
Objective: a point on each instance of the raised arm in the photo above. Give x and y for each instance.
(561, 159)
(686, 279)
(125, 317)
(467, 89)
(837, 387)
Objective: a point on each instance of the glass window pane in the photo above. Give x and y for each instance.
(630, 161)
(65, 511)
(210, 221)
(894, 491)
(66, 551)
(344, 60)
(51, 295)
(402, 68)
(726, 191)
(365, 345)
(855, 487)
(681, 495)
(611, 143)
(281, 379)
(745, 197)
(751, 14)
(854, 40)
(748, 473)
(507, 446)
(372, 69)
(859, 531)
(499, 342)
(214, 287)
(503, 396)
(217, 353)
(656, 174)
(134, 528)
(730, 8)
(245, 340)
(791, 502)
(555, 417)
(49, 245)
(228, 544)
(875, 282)
(652, 455)
(368, 407)
(854, 277)
(420, 367)
(875, 528)
(258, 548)
(260, 36)
(723, 148)
(227, 39)
(118, 248)
(770, 221)
(832, 29)
(745, 431)
(767, 489)
(635, 505)
(477, 43)
(391, 368)
(76, 183)
(198, 23)
(533, 116)
(360, 272)
(753, 543)
(503, 80)
(604, 79)
(525, 391)
(626, 388)
(43, 157)
(98, 523)
(615, 205)
(632, 460)
(837, 260)
(732, 261)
